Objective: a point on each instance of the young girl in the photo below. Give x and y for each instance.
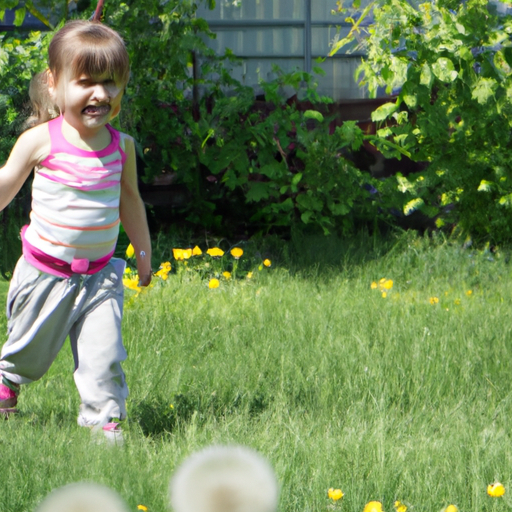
(85, 184)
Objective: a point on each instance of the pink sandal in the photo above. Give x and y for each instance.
(8, 397)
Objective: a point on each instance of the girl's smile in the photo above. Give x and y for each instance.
(97, 110)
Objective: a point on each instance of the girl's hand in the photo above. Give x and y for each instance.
(145, 279)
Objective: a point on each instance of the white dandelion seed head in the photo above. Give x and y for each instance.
(224, 479)
(83, 497)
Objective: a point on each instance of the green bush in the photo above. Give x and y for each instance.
(269, 165)
(452, 63)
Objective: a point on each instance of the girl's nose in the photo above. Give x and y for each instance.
(101, 93)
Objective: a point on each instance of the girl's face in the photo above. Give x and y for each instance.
(87, 102)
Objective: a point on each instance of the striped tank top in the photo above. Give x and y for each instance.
(74, 222)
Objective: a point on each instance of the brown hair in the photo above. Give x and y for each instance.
(82, 47)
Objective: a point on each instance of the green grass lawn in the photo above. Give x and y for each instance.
(405, 397)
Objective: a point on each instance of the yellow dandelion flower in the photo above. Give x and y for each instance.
(130, 251)
(163, 274)
(187, 253)
(388, 284)
(214, 283)
(249, 275)
(236, 252)
(196, 251)
(495, 490)
(227, 275)
(469, 292)
(166, 265)
(373, 506)
(215, 252)
(267, 262)
(457, 302)
(335, 494)
(127, 270)
(132, 283)
(400, 507)
(451, 508)
(374, 285)
(384, 295)
(178, 254)
(142, 507)
(434, 300)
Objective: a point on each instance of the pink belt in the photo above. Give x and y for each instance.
(60, 268)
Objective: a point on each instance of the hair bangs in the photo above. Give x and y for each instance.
(96, 61)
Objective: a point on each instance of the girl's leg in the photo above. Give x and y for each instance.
(98, 349)
(39, 307)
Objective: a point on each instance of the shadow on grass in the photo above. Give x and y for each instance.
(159, 415)
(306, 251)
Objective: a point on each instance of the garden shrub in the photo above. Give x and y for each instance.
(452, 64)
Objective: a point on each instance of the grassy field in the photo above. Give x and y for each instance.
(405, 397)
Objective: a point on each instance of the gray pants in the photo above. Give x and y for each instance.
(44, 309)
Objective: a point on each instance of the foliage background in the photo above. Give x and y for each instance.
(452, 65)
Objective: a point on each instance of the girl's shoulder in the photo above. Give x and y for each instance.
(36, 141)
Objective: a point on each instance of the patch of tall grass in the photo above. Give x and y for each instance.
(397, 397)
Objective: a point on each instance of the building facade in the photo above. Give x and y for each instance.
(292, 34)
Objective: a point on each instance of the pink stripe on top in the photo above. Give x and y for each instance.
(61, 145)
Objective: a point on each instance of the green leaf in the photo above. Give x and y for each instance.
(444, 70)
(485, 186)
(426, 75)
(501, 64)
(461, 29)
(286, 206)
(272, 170)
(384, 111)
(314, 114)
(339, 208)
(484, 89)
(19, 16)
(351, 134)
(306, 216)
(355, 29)
(257, 192)
(404, 185)
(413, 205)
(411, 100)
(506, 200)
(385, 132)
(296, 178)
(309, 202)
(465, 53)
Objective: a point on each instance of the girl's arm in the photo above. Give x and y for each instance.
(31, 148)
(133, 215)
